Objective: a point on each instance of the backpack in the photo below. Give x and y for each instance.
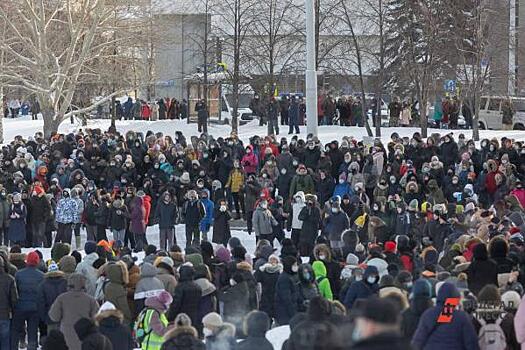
(491, 335)
(139, 329)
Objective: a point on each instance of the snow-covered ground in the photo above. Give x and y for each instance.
(152, 234)
(25, 127)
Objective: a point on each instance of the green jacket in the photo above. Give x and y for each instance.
(322, 281)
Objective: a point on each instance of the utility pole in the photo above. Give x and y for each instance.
(311, 74)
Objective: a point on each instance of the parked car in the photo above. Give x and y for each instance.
(491, 115)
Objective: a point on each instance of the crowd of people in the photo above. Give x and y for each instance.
(359, 246)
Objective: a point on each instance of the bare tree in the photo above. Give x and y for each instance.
(272, 43)
(416, 47)
(476, 30)
(52, 48)
(349, 24)
(236, 18)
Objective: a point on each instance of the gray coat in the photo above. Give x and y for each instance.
(4, 213)
(263, 221)
(70, 307)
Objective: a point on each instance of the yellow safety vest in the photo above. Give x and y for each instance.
(153, 341)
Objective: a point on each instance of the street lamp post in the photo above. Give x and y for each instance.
(311, 74)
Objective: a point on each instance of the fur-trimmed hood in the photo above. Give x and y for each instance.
(322, 248)
(413, 185)
(118, 273)
(109, 313)
(180, 330)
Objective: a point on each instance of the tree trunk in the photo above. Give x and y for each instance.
(475, 119)
(51, 123)
(423, 116)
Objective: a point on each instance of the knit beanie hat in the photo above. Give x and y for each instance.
(212, 320)
(413, 205)
(422, 288)
(32, 259)
(52, 266)
(90, 247)
(390, 247)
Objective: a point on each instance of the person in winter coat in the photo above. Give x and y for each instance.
(166, 273)
(482, 270)
(459, 333)
(310, 215)
(235, 300)
(85, 267)
(221, 224)
(64, 217)
(26, 309)
(263, 222)
(8, 300)
(192, 212)
(115, 290)
(363, 289)
(49, 289)
(302, 181)
(148, 285)
(187, 295)
(207, 220)
(335, 223)
(376, 326)
(118, 220)
(138, 222)
(286, 293)
(166, 215)
(109, 321)
(155, 320)
(294, 223)
(267, 275)
(420, 301)
(256, 325)
(182, 336)
(320, 276)
(235, 184)
(307, 286)
(39, 214)
(249, 161)
(70, 307)
(218, 335)
(90, 336)
(17, 221)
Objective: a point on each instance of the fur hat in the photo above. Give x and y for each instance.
(32, 259)
(212, 320)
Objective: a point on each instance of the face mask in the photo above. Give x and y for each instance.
(207, 332)
(408, 285)
(264, 206)
(283, 171)
(393, 181)
(137, 144)
(223, 208)
(295, 268)
(455, 182)
(205, 155)
(376, 208)
(311, 147)
(295, 163)
(232, 282)
(269, 162)
(322, 257)
(341, 181)
(356, 189)
(307, 275)
(335, 210)
(356, 334)
(399, 210)
(371, 279)
(200, 185)
(156, 166)
(359, 278)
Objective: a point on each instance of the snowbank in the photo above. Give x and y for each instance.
(25, 127)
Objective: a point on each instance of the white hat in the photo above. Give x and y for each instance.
(212, 319)
(107, 306)
(511, 299)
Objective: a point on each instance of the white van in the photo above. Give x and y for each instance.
(491, 115)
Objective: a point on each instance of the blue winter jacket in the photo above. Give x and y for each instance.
(27, 281)
(207, 220)
(342, 189)
(459, 334)
(361, 289)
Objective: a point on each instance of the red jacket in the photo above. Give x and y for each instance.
(490, 182)
(147, 208)
(146, 112)
(519, 193)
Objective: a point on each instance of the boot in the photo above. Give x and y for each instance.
(77, 242)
